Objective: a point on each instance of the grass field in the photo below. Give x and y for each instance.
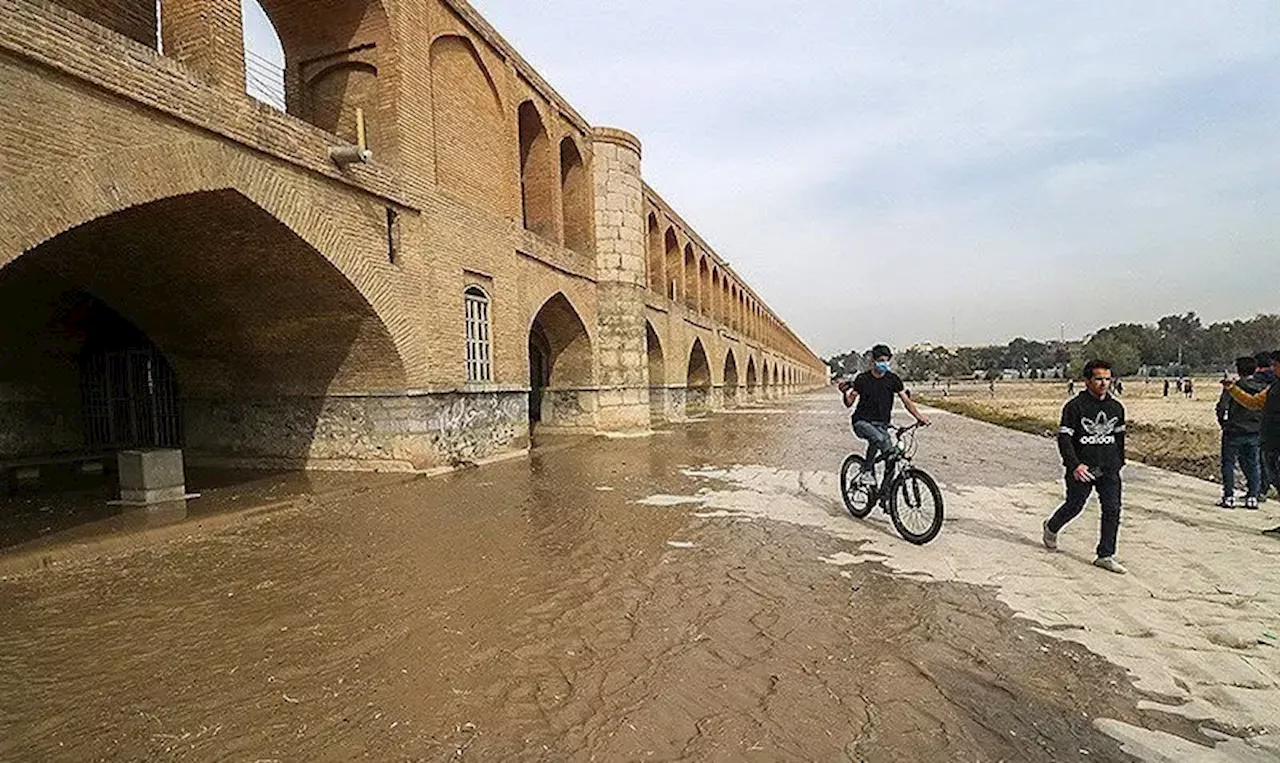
(1174, 432)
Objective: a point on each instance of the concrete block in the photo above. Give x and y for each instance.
(151, 476)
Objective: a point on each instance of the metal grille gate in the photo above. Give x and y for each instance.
(130, 400)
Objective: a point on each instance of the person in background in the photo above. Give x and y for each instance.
(1166, 387)
(1267, 401)
(1186, 387)
(1240, 431)
(1266, 377)
(1091, 442)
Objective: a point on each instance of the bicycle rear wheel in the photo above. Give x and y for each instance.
(859, 493)
(915, 506)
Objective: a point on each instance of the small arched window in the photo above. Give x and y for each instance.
(479, 344)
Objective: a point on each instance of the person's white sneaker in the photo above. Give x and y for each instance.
(1251, 503)
(1050, 537)
(1109, 564)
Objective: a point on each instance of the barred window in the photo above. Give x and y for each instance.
(479, 352)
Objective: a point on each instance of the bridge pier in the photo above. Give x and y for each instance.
(622, 368)
(208, 36)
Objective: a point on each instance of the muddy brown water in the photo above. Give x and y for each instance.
(531, 610)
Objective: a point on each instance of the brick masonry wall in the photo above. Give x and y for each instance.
(247, 246)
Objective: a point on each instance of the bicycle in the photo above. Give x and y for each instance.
(904, 491)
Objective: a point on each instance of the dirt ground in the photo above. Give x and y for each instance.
(695, 595)
(1176, 432)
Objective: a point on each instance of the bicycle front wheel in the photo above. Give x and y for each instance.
(915, 506)
(858, 492)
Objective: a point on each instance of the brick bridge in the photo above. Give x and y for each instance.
(184, 264)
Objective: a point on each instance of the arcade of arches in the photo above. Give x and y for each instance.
(183, 266)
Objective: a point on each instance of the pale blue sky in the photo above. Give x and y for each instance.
(891, 170)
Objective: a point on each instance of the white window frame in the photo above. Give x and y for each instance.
(479, 341)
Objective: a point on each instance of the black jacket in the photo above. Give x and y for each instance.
(1092, 433)
(1235, 418)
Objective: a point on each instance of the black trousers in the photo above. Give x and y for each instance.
(1108, 486)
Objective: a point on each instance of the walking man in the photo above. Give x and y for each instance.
(1240, 428)
(1091, 441)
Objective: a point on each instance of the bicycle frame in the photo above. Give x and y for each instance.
(894, 465)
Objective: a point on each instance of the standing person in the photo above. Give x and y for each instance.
(1071, 388)
(873, 390)
(1266, 377)
(1186, 387)
(1240, 428)
(1267, 401)
(1091, 441)
(1166, 387)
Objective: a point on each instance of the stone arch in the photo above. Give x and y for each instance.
(575, 198)
(765, 387)
(258, 325)
(697, 380)
(560, 366)
(657, 264)
(657, 373)
(690, 278)
(675, 279)
(752, 376)
(338, 60)
(730, 378)
(334, 93)
(704, 286)
(537, 174)
(138, 176)
(470, 131)
(726, 303)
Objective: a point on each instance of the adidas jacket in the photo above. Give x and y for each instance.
(1092, 433)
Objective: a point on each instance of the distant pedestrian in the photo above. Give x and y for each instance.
(1166, 387)
(1186, 387)
(1071, 388)
(1240, 430)
(1119, 387)
(991, 387)
(1091, 442)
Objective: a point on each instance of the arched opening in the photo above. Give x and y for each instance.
(479, 341)
(698, 381)
(559, 368)
(657, 374)
(690, 278)
(575, 198)
(657, 264)
(730, 379)
(775, 380)
(704, 287)
(726, 303)
(263, 57)
(752, 377)
(765, 388)
(471, 139)
(197, 320)
(537, 175)
(338, 60)
(675, 273)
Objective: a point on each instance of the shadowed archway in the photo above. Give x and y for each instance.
(698, 381)
(560, 366)
(730, 380)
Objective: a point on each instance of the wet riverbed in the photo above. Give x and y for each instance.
(535, 609)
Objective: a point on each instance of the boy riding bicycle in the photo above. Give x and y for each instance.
(873, 390)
